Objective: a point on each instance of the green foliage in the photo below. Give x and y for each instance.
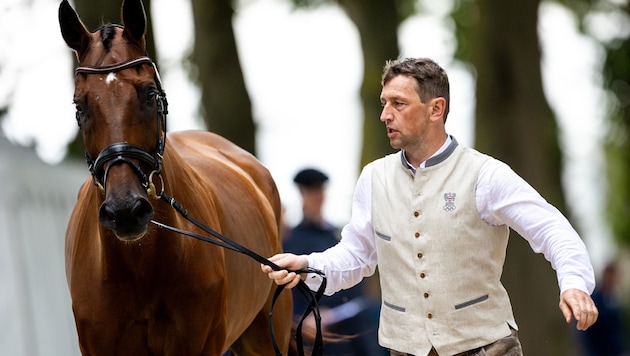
(618, 209)
(407, 8)
(465, 15)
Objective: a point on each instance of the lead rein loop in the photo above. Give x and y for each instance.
(312, 297)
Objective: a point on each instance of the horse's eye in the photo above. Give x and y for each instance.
(79, 113)
(151, 96)
(78, 106)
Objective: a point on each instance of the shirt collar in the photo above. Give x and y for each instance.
(439, 156)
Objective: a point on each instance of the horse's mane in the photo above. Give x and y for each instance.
(108, 31)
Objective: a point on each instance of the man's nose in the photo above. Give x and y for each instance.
(385, 114)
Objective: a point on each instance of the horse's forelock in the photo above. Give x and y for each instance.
(108, 32)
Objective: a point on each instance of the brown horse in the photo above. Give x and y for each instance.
(139, 289)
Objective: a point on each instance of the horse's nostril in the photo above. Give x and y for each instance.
(107, 216)
(143, 211)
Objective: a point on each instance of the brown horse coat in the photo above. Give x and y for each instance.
(154, 292)
(171, 294)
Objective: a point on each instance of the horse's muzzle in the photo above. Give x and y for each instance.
(127, 218)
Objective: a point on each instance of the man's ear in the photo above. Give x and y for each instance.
(438, 106)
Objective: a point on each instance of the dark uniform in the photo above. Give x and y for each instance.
(359, 318)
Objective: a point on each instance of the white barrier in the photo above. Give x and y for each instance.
(35, 203)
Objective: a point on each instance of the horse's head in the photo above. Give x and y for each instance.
(121, 111)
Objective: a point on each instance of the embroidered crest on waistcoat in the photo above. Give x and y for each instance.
(449, 202)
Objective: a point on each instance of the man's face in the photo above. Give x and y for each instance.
(313, 200)
(405, 116)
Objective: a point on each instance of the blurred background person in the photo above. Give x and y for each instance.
(348, 312)
(607, 336)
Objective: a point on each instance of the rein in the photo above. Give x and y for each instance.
(311, 297)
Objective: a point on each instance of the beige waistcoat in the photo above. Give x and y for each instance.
(440, 265)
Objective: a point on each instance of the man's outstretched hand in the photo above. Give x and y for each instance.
(576, 304)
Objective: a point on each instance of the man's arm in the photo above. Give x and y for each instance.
(507, 199)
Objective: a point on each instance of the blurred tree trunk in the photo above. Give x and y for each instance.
(515, 124)
(617, 144)
(225, 101)
(97, 13)
(377, 22)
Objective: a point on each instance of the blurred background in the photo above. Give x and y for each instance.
(541, 85)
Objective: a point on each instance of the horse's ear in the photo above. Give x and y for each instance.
(134, 19)
(73, 31)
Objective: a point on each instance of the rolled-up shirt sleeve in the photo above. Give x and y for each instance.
(504, 198)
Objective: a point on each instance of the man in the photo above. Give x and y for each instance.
(435, 218)
(347, 312)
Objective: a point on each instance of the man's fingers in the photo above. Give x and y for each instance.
(579, 305)
(283, 276)
(566, 311)
(279, 276)
(586, 315)
(295, 281)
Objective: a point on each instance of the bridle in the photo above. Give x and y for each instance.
(124, 152)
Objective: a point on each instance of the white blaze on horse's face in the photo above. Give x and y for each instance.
(110, 78)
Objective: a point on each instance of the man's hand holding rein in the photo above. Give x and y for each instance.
(288, 261)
